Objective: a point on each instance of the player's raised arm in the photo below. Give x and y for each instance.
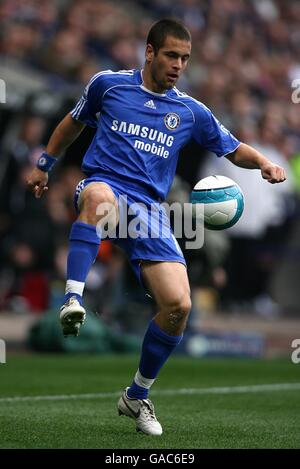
(64, 134)
(246, 156)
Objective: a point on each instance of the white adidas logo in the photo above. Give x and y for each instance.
(150, 104)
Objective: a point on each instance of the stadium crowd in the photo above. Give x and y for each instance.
(245, 60)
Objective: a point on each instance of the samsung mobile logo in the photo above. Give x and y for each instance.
(143, 131)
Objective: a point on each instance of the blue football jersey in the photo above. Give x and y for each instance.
(140, 133)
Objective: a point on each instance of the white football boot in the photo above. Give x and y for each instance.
(142, 410)
(72, 316)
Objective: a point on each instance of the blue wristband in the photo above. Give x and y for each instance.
(46, 162)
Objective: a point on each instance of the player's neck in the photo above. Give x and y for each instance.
(149, 83)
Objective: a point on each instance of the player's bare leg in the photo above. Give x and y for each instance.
(97, 205)
(169, 285)
(91, 198)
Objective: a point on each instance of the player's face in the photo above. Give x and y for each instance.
(168, 63)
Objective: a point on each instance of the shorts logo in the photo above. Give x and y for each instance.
(172, 120)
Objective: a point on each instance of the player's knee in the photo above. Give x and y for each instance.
(178, 309)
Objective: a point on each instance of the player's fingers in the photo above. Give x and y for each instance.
(282, 175)
(39, 190)
(268, 175)
(271, 175)
(42, 190)
(277, 174)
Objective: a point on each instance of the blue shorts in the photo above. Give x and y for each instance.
(146, 217)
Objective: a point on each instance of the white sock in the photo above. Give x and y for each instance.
(142, 381)
(72, 286)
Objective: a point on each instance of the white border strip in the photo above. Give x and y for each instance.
(164, 392)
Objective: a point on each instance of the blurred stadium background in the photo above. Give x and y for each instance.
(245, 281)
(246, 56)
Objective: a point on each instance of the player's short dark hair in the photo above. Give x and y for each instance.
(167, 27)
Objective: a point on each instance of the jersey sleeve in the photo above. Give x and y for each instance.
(211, 134)
(89, 105)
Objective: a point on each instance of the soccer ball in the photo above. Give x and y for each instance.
(223, 201)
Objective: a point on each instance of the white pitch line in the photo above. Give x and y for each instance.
(163, 392)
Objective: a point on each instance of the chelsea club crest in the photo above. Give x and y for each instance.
(172, 120)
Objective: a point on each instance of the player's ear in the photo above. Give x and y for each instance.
(149, 54)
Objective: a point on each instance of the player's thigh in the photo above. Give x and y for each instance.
(96, 192)
(98, 201)
(168, 283)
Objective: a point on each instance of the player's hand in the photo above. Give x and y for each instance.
(273, 173)
(37, 182)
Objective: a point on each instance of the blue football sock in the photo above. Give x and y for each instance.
(68, 295)
(156, 349)
(83, 250)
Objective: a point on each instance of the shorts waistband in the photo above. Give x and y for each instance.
(120, 185)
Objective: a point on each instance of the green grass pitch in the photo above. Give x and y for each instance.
(266, 418)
